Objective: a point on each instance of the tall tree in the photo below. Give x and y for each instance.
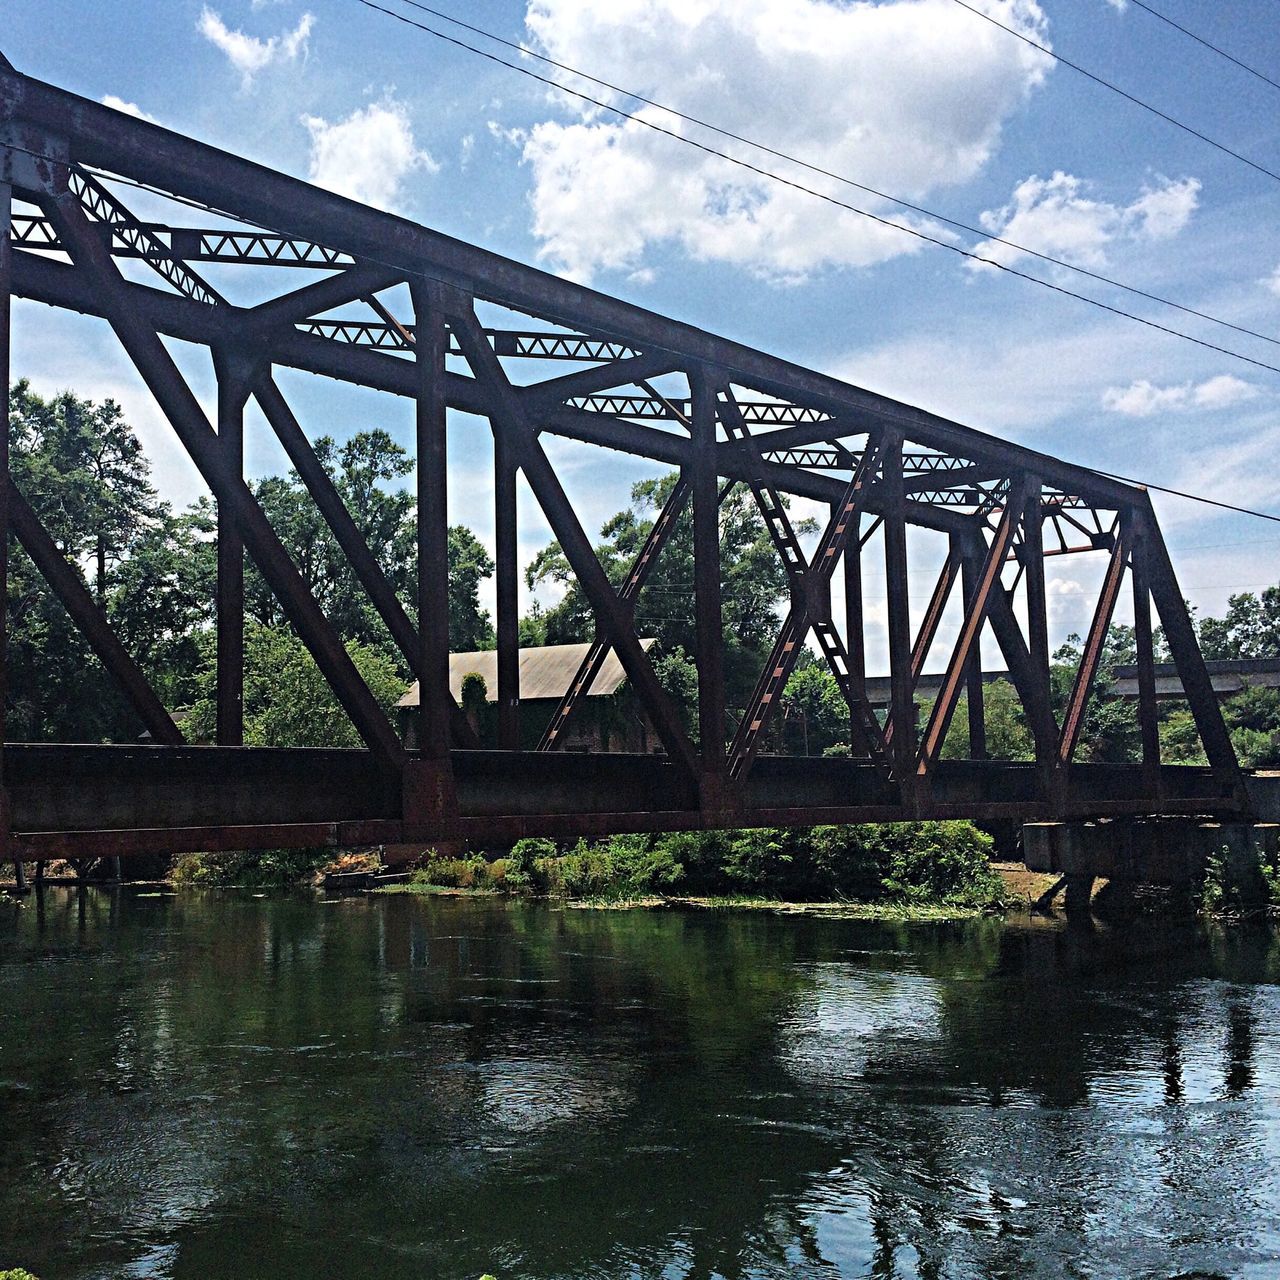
(82, 469)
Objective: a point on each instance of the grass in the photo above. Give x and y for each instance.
(846, 910)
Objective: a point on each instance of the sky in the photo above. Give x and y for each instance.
(921, 99)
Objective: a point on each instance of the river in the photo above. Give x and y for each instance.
(218, 1085)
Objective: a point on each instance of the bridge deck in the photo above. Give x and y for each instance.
(83, 800)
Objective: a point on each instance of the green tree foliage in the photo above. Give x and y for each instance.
(815, 715)
(1007, 732)
(1250, 629)
(287, 702)
(1110, 731)
(82, 469)
(753, 581)
(367, 471)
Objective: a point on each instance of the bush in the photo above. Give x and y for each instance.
(1238, 883)
(262, 868)
(454, 873)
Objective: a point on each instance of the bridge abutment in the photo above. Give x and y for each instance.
(1161, 851)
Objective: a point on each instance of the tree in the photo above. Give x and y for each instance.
(753, 581)
(287, 701)
(815, 715)
(1110, 731)
(1251, 628)
(470, 626)
(81, 468)
(365, 471)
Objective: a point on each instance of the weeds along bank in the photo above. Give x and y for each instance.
(907, 863)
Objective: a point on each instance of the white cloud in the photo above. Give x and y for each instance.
(909, 95)
(129, 108)
(248, 54)
(1056, 216)
(1273, 282)
(1142, 399)
(368, 155)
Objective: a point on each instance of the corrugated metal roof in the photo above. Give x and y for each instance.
(545, 672)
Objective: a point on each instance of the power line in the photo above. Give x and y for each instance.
(1194, 497)
(1115, 88)
(832, 200)
(1222, 53)
(837, 177)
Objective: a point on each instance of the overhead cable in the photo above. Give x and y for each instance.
(837, 177)
(1115, 88)
(820, 195)
(1222, 53)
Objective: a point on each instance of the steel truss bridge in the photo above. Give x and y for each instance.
(390, 305)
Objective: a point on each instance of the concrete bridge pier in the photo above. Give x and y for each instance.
(1173, 851)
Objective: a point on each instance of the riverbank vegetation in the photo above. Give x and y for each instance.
(908, 864)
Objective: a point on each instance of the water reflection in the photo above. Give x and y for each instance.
(217, 1086)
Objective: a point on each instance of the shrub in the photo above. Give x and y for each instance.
(1237, 883)
(454, 873)
(262, 868)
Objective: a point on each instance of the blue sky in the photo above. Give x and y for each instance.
(917, 97)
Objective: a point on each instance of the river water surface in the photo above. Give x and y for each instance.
(220, 1085)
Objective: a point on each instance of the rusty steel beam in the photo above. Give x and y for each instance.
(586, 382)
(507, 605)
(1180, 635)
(89, 618)
(975, 693)
(947, 578)
(432, 523)
(320, 296)
(1148, 717)
(191, 170)
(1082, 687)
(1031, 556)
(707, 604)
(235, 375)
(183, 411)
(976, 611)
(901, 699)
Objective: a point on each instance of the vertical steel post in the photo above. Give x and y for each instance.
(706, 582)
(975, 691)
(508, 599)
(1037, 602)
(1148, 723)
(6, 292)
(233, 391)
(433, 523)
(901, 699)
(855, 641)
